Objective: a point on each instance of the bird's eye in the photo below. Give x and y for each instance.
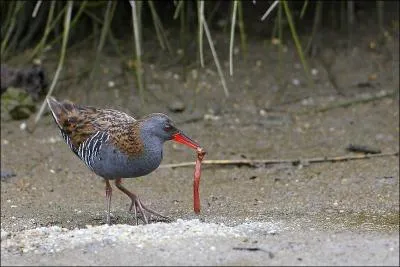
(168, 127)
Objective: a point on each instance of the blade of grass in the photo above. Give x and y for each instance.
(177, 9)
(33, 29)
(67, 21)
(316, 24)
(280, 47)
(182, 32)
(58, 17)
(304, 8)
(21, 25)
(216, 60)
(162, 38)
(7, 21)
(276, 24)
(269, 10)
(139, 7)
(235, 3)
(18, 7)
(36, 9)
(93, 17)
(139, 72)
(39, 48)
(47, 29)
(155, 17)
(297, 42)
(200, 5)
(109, 13)
(278, 97)
(243, 38)
(211, 15)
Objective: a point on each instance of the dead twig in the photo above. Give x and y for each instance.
(258, 162)
(347, 103)
(363, 149)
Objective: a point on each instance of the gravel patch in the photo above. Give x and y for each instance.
(53, 239)
(193, 242)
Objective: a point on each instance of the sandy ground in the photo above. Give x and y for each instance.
(327, 213)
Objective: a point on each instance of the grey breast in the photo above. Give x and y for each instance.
(111, 163)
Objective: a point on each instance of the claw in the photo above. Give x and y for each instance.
(137, 206)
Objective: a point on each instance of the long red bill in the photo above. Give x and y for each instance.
(183, 139)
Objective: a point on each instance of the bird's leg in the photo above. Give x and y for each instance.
(108, 197)
(135, 201)
(133, 205)
(137, 204)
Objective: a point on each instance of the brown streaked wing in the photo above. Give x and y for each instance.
(81, 122)
(126, 138)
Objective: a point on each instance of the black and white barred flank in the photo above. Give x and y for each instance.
(89, 149)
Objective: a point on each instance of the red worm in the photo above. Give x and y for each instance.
(196, 182)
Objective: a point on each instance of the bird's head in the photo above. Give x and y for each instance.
(161, 126)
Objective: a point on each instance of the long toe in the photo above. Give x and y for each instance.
(139, 210)
(144, 213)
(153, 212)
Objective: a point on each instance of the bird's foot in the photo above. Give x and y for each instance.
(138, 207)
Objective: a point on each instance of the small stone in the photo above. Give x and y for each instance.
(4, 235)
(263, 112)
(307, 101)
(314, 72)
(22, 126)
(111, 84)
(210, 117)
(176, 106)
(296, 82)
(275, 41)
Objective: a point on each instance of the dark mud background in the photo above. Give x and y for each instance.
(320, 213)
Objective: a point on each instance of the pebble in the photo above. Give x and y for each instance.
(176, 106)
(210, 117)
(22, 126)
(111, 84)
(296, 82)
(4, 235)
